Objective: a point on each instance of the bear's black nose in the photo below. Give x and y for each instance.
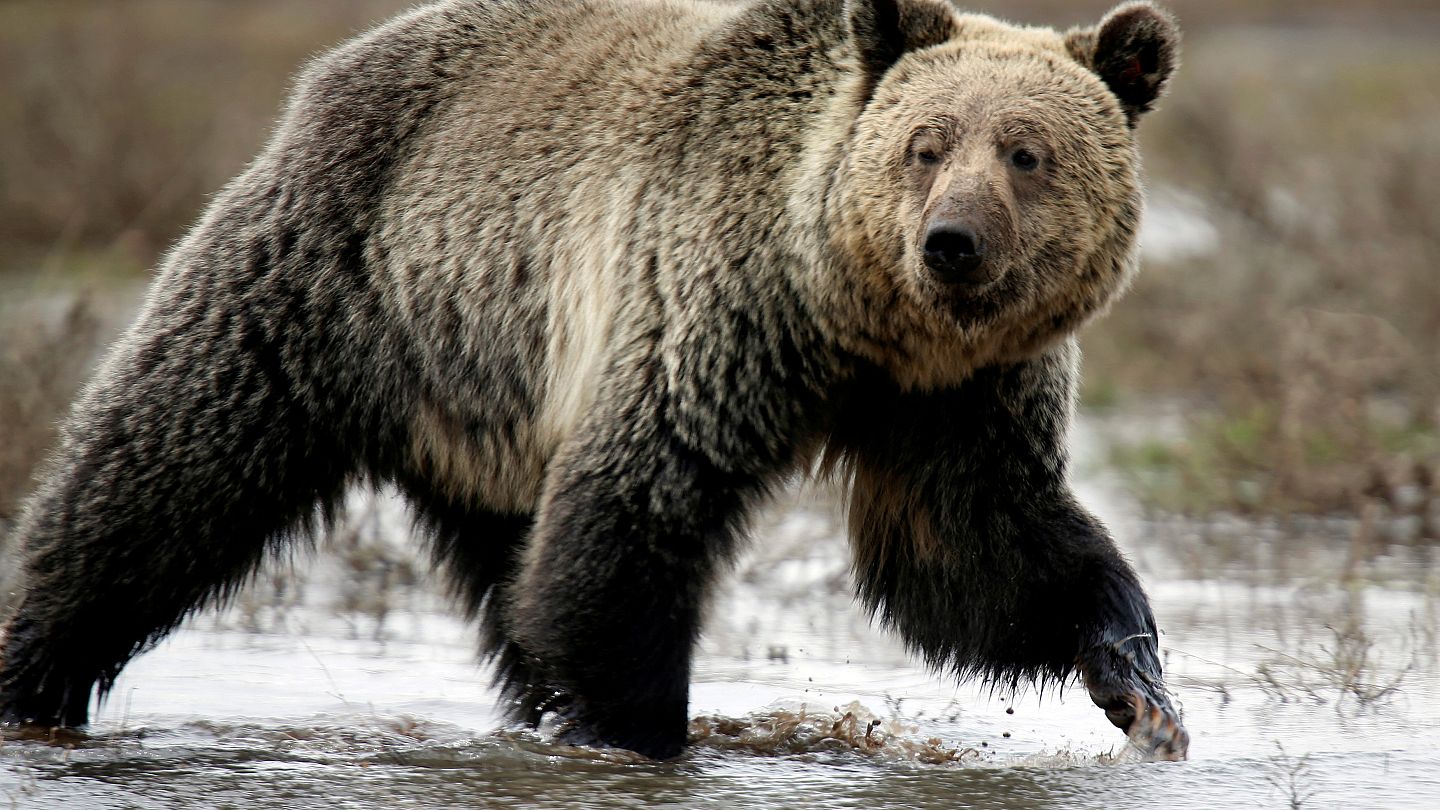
(955, 254)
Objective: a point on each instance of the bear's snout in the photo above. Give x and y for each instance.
(955, 253)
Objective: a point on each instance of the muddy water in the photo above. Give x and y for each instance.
(349, 686)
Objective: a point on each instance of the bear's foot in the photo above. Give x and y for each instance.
(40, 686)
(640, 731)
(654, 748)
(37, 712)
(1135, 700)
(46, 709)
(656, 744)
(1154, 728)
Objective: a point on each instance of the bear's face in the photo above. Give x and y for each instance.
(1003, 187)
(991, 188)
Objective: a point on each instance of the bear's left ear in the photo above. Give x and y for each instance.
(885, 30)
(1134, 50)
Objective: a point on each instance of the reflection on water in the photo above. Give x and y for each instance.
(352, 688)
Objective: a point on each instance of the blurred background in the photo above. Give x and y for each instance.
(1265, 403)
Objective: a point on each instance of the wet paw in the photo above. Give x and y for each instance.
(1135, 701)
(646, 740)
(1153, 727)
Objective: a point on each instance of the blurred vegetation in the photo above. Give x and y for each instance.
(119, 117)
(1300, 330)
(1306, 335)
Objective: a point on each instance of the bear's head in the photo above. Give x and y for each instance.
(988, 196)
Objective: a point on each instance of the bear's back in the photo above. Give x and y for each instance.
(506, 234)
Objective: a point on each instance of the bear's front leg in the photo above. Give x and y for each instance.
(633, 526)
(969, 542)
(1123, 676)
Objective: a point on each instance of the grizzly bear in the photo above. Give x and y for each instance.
(586, 279)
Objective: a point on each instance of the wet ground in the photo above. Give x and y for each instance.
(349, 686)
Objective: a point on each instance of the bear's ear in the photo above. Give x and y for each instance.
(1134, 50)
(884, 30)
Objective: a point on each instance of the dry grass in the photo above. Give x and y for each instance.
(119, 118)
(1291, 777)
(1344, 670)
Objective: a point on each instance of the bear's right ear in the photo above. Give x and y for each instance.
(1134, 50)
(884, 30)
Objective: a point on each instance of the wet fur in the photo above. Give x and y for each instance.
(585, 324)
(960, 508)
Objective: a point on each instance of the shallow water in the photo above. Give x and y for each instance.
(348, 687)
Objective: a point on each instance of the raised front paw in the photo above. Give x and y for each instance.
(1130, 690)
(1152, 725)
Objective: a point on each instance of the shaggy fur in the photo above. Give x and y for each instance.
(586, 278)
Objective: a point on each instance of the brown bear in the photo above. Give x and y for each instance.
(586, 279)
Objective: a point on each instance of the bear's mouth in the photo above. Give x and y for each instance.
(972, 303)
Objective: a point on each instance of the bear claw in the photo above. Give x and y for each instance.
(1155, 730)
(1136, 702)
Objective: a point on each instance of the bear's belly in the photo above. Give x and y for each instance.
(502, 469)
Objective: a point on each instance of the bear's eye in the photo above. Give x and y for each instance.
(927, 155)
(1024, 160)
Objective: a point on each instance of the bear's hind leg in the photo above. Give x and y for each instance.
(187, 457)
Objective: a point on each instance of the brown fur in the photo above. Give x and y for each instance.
(1068, 245)
(585, 278)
